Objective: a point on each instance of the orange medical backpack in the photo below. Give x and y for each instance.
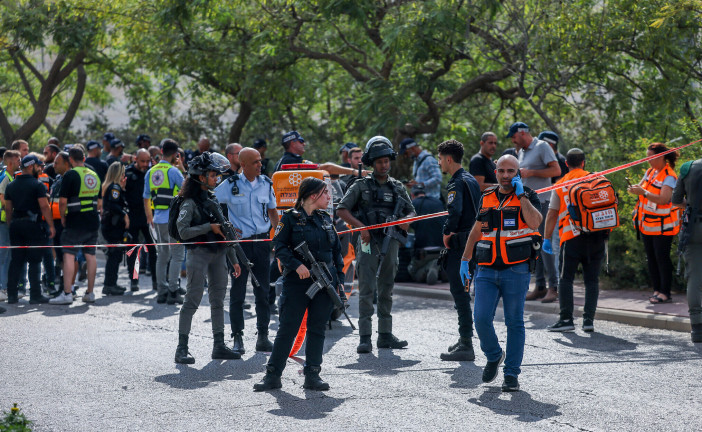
(593, 205)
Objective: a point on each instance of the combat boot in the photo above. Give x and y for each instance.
(220, 351)
(262, 343)
(312, 379)
(182, 355)
(365, 346)
(174, 297)
(696, 333)
(389, 340)
(239, 342)
(270, 381)
(462, 352)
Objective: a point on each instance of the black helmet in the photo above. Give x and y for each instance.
(206, 162)
(378, 147)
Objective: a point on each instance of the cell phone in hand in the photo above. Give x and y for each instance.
(628, 181)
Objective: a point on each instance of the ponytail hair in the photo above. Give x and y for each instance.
(309, 186)
(660, 148)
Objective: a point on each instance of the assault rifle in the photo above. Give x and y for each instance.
(322, 279)
(389, 233)
(230, 234)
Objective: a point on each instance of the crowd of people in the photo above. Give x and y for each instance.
(498, 232)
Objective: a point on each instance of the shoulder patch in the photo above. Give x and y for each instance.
(115, 193)
(451, 196)
(278, 228)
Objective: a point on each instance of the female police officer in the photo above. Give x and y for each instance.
(196, 223)
(308, 223)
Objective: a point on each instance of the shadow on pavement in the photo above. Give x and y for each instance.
(386, 363)
(466, 376)
(315, 405)
(519, 405)
(190, 378)
(157, 311)
(596, 342)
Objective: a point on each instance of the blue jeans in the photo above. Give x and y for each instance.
(511, 284)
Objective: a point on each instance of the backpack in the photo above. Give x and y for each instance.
(173, 212)
(593, 205)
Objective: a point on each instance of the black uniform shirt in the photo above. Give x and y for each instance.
(427, 232)
(288, 158)
(51, 172)
(98, 165)
(481, 165)
(84, 221)
(463, 202)
(24, 193)
(133, 191)
(114, 201)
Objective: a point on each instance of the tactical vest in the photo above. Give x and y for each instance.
(503, 232)
(202, 217)
(566, 229)
(162, 193)
(304, 225)
(86, 201)
(656, 219)
(376, 202)
(3, 216)
(54, 198)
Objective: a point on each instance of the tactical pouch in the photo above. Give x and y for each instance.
(518, 250)
(484, 253)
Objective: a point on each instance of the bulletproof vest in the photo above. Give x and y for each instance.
(316, 230)
(377, 201)
(201, 216)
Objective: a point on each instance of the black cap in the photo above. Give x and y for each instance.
(260, 143)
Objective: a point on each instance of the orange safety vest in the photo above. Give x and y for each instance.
(44, 179)
(566, 229)
(504, 233)
(656, 219)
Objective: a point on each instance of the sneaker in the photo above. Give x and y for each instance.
(74, 291)
(39, 300)
(62, 299)
(3, 295)
(562, 326)
(588, 325)
(491, 367)
(510, 384)
(89, 298)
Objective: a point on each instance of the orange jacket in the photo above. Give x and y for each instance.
(656, 219)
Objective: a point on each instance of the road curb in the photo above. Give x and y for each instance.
(639, 319)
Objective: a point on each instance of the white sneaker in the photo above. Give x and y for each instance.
(89, 298)
(3, 295)
(62, 299)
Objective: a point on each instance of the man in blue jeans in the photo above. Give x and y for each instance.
(505, 238)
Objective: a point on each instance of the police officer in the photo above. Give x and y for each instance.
(262, 146)
(161, 183)
(577, 247)
(688, 193)
(295, 145)
(133, 191)
(369, 201)
(62, 164)
(114, 224)
(143, 141)
(196, 224)
(462, 198)
(26, 203)
(505, 238)
(306, 222)
(93, 160)
(251, 206)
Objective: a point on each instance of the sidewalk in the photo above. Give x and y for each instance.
(627, 307)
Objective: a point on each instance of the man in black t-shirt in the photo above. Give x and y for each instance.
(481, 165)
(93, 160)
(26, 203)
(80, 200)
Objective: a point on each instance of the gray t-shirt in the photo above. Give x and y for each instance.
(537, 157)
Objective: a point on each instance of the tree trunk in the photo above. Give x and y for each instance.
(245, 111)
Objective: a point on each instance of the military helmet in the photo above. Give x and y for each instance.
(378, 147)
(206, 162)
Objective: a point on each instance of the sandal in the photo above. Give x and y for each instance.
(658, 300)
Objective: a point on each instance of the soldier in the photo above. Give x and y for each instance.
(372, 200)
(463, 197)
(251, 206)
(161, 183)
(688, 192)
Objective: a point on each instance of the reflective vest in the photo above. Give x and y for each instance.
(656, 219)
(503, 232)
(87, 198)
(44, 179)
(162, 193)
(566, 229)
(3, 216)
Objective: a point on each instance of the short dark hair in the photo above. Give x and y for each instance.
(309, 186)
(10, 154)
(54, 148)
(354, 150)
(452, 148)
(16, 144)
(169, 148)
(76, 153)
(575, 159)
(64, 155)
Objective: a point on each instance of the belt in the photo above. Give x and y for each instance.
(264, 235)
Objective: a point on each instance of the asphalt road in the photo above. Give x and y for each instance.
(109, 366)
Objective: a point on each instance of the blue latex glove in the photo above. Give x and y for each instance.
(465, 273)
(517, 185)
(548, 247)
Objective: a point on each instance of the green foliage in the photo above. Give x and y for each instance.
(15, 421)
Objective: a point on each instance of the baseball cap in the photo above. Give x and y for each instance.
(116, 143)
(109, 136)
(292, 136)
(30, 160)
(517, 127)
(348, 146)
(549, 137)
(92, 144)
(259, 143)
(407, 143)
(142, 137)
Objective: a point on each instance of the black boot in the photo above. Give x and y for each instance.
(262, 343)
(696, 333)
(174, 297)
(182, 355)
(270, 381)
(462, 352)
(312, 379)
(365, 346)
(239, 342)
(389, 340)
(220, 351)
